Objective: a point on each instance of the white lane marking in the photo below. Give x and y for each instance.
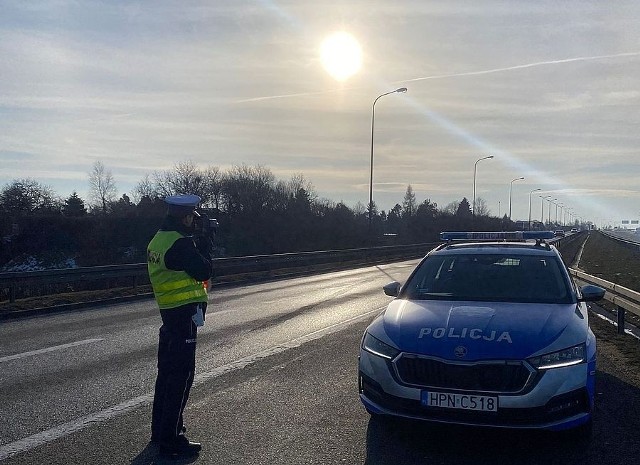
(48, 349)
(38, 439)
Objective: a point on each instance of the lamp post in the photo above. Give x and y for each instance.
(511, 189)
(373, 115)
(556, 217)
(541, 209)
(550, 202)
(571, 214)
(535, 190)
(475, 170)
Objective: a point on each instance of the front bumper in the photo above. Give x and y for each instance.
(561, 398)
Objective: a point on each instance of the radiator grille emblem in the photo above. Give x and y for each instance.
(460, 351)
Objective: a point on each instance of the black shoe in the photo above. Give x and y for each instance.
(180, 447)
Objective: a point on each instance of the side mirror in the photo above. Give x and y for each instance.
(591, 293)
(392, 289)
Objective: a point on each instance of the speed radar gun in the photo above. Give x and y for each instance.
(204, 226)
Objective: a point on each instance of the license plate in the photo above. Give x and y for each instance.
(459, 401)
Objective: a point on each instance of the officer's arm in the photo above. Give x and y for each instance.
(184, 256)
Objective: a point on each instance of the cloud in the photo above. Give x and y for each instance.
(522, 66)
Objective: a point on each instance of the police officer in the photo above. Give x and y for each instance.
(178, 265)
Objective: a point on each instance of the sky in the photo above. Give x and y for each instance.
(550, 89)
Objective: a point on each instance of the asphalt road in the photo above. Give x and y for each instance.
(276, 384)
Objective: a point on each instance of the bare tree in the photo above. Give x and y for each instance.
(297, 193)
(298, 183)
(248, 189)
(102, 187)
(481, 207)
(184, 178)
(213, 179)
(451, 208)
(145, 188)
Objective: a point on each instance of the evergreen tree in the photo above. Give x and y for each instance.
(409, 203)
(464, 208)
(123, 206)
(394, 219)
(74, 206)
(427, 209)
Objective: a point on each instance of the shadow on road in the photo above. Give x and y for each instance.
(615, 438)
(391, 278)
(413, 443)
(150, 456)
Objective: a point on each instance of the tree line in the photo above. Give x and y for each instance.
(258, 214)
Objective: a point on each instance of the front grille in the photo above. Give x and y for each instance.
(494, 376)
(572, 403)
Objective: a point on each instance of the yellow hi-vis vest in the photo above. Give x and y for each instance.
(171, 288)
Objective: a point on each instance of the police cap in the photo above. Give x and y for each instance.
(182, 205)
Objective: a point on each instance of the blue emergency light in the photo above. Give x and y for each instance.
(495, 235)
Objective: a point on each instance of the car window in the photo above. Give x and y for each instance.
(490, 277)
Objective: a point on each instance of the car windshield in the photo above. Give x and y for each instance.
(490, 278)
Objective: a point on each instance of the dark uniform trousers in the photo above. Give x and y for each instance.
(176, 368)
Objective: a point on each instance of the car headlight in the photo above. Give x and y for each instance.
(562, 358)
(377, 347)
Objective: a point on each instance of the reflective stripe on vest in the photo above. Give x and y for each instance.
(171, 288)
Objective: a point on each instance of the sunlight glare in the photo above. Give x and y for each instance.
(341, 55)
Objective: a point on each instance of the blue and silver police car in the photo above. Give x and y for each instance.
(488, 330)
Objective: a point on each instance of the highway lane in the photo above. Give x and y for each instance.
(59, 368)
(276, 385)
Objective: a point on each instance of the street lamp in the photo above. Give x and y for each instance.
(510, 189)
(556, 219)
(535, 190)
(475, 170)
(373, 115)
(571, 214)
(550, 202)
(542, 199)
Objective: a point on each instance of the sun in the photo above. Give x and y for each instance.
(341, 55)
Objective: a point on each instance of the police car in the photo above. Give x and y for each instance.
(488, 330)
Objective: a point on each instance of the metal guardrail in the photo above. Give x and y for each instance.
(623, 298)
(230, 266)
(630, 242)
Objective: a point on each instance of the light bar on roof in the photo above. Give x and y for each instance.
(495, 235)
